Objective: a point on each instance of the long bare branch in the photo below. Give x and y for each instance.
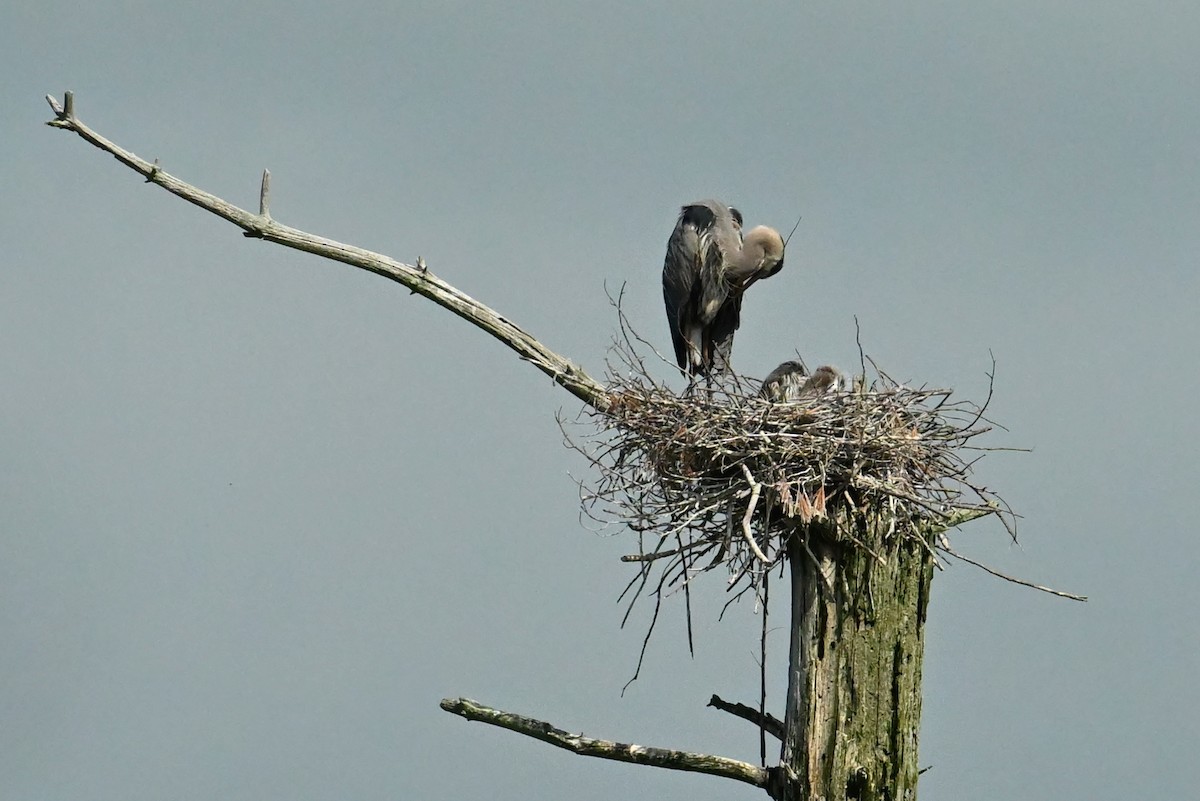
(417, 278)
(607, 749)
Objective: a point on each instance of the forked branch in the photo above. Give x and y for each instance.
(607, 749)
(417, 278)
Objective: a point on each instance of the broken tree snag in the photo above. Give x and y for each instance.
(607, 749)
(768, 723)
(417, 278)
(854, 683)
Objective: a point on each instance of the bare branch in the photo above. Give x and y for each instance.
(765, 721)
(608, 749)
(260, 226)
(945, 546)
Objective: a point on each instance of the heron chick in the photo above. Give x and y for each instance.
(790, 382)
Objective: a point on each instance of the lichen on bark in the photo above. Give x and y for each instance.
(854, 685)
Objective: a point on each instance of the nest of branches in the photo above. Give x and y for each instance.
(720, 477)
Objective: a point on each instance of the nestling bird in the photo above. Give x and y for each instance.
(791, 382)
(708, 268)
(784, 382)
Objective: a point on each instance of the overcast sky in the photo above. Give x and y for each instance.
(260, 512)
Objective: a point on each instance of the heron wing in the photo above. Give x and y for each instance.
(689, 255)
(680, 274)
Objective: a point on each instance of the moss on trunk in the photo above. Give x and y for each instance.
(854, 687)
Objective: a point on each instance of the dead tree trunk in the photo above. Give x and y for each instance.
(854, 666)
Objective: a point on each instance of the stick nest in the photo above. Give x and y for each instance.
(722, 477)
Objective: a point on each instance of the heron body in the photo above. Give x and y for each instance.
(709, 266)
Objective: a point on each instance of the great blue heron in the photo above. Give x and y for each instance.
(791, 382)
(708, 267)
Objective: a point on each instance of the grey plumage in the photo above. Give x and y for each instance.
(790, 382)
(707, 269)
(784, 382)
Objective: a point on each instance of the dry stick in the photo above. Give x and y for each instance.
(260, 226)
(658, 599)
(755, 489)
(945, 546)
(687, 596)
(628, 333)
(650, 557)
(608, 749)
(765, 721)
(745, 589)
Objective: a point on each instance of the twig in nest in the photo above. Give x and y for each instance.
(755, 489)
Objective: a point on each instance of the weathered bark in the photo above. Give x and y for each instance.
(854, 683)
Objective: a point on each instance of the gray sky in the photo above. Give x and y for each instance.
(261, 512)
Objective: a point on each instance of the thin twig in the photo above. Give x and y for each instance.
(945, 546)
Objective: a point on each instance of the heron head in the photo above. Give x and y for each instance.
(826, 379)
(765, 247)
